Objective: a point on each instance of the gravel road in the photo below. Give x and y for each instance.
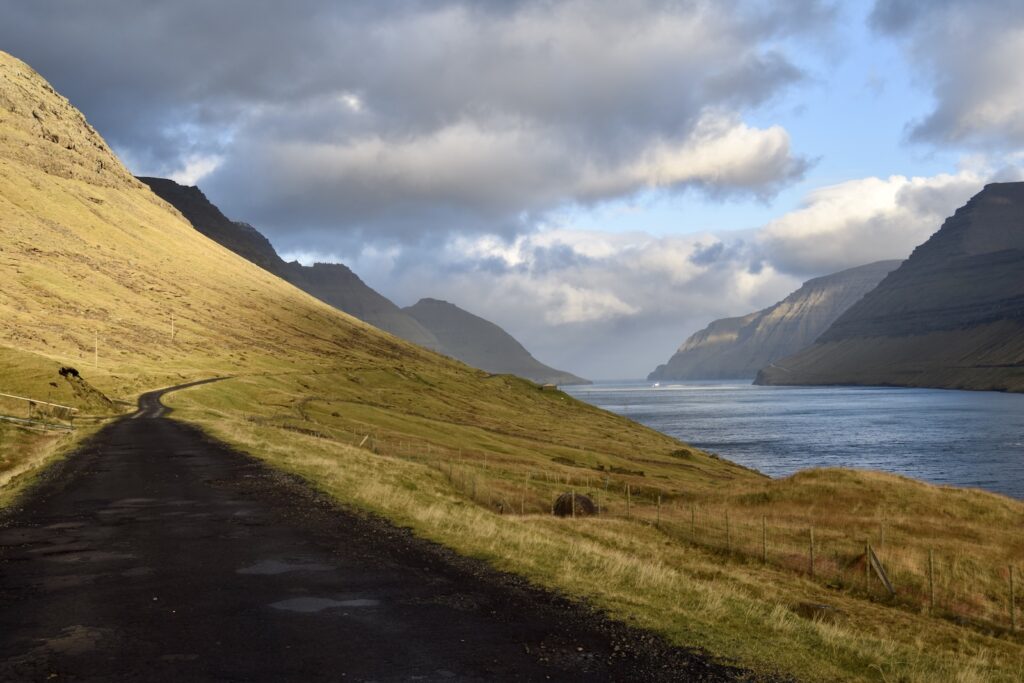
(157, 554)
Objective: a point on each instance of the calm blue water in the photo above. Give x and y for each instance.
(947, 437)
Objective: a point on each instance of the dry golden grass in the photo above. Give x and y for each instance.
(88, 254)
(695, 593)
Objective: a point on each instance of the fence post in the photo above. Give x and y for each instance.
(522, 503)
(693, 522)
(572, 501)
(1013, 606)
(728, 534)
(931, 582)
(659, 512)
(628, 502)
(811, 557)
(867, 567)
(764, 539)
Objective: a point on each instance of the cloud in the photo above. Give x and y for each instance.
(863, 220)
(617, 304)
(969, 55)
(467, 177)
(391, 120)
(196, 167)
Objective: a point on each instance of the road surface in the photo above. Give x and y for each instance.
(157, 554)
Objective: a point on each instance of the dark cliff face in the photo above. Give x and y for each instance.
(332, 283)
(459, 334)
(241, 238)
(483, 344)
(951, 316)
(736, 348)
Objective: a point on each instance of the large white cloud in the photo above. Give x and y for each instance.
(969, 53)
(863, 220)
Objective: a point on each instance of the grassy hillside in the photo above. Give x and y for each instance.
(93, 261)
(485, 489)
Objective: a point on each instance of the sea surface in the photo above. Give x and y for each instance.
(964, 438)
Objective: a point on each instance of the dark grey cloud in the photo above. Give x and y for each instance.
(390, 120)
(968, 53)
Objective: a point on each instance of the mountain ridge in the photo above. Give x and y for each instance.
(738, 347)
(336, 284)
(491, 348)
(951, 316)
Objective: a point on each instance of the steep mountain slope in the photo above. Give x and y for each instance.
(739, 347)
(483, 344)
(951, 316)
(332, 283)
(102, 274)
(470, 339)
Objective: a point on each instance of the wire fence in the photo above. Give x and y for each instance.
(33, 413)
(885, 565)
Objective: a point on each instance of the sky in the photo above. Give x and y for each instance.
(600, 178)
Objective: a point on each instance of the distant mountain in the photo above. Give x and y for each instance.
(951, 316)
(736, 348)
(472, 340)
(332, 283)
(483, 344)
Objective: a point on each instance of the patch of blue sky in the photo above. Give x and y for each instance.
(849, 116)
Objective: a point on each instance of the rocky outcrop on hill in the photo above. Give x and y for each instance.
(483, 344)
(951, 316)
(40, 129)
(736, 348)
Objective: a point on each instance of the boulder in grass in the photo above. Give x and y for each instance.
(585, 507)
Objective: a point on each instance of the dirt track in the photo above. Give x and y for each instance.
(156, 554)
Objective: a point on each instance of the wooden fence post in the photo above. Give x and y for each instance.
(658, 523)
(811, 556)
(728, 534)
(764, 539)
(693, 522)
(931, 582)
(572, 502)
(522, 503)
(867, 567)
(1013, 606)
(628, 502)
(876, 564)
